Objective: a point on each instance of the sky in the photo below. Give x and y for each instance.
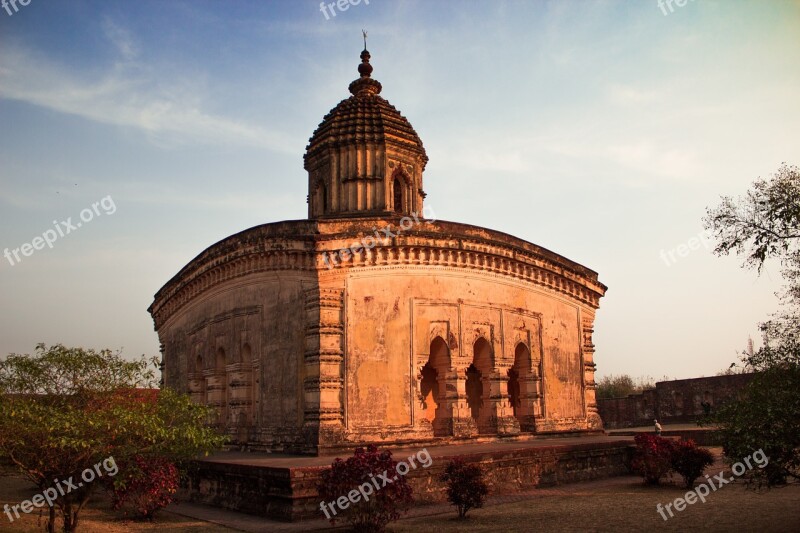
(599, 130)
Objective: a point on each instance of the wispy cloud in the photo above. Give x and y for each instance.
(121, 39)
(129, 94)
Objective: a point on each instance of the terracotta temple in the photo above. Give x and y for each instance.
(371, 321)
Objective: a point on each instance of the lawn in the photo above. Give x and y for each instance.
(625, 504)
(97, 518)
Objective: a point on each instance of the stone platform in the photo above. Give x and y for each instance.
(702, 436)
(283, 487)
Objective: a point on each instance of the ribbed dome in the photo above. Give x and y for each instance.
(365, 117)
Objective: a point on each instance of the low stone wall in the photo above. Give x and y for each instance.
(289, 493)
(633, 410)
(672, 402)
(701, 436)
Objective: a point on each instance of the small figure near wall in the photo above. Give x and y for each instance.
(658, 427)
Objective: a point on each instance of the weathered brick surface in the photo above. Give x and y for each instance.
(290, 494)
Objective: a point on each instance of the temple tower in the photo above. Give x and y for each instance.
(364, 159)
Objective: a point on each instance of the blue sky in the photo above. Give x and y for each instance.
(599, 130)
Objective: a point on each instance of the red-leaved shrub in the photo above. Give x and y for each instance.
(144, 485)
(369, 469)
(466, 488)
(652, 458)
(690, 461)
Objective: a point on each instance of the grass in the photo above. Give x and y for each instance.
(96, 518)
(626, 505)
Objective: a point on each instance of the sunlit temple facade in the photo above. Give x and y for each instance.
(370, 321)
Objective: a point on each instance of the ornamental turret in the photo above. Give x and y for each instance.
(364, 159)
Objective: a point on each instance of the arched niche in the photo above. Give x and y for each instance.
(433, 387)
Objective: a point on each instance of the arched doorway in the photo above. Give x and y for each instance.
(432, 385)
(430, 391)
(217, 385)
(519, 383)
(473, 388)
(323, 196)
(513, 390)
(397, 190)
(220, 360)
(240, 390)
(197, 382)
(477, 385)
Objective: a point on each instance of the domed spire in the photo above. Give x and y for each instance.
(365, 85)
(364, 159)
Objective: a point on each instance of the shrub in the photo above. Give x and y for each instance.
(690, 461)
(144, 486)
(375, 510)
(766, 417)
(652, 458)
(466, 488)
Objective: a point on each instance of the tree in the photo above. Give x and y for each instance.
(766, 418)
(621, 386)
(765, 225)
(67, 411)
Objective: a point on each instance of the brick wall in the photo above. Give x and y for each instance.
(672, 402)
(290, 493)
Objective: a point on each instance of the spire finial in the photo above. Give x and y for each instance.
(365, 85)
(365, 69)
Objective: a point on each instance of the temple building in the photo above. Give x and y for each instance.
(371, 321)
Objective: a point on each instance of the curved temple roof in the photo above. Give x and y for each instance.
(364, 117)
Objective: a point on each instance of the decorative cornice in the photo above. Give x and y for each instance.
(436, 244)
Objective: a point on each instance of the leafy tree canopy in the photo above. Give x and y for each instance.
(764, 225)
(64, 410)
(621, 386)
